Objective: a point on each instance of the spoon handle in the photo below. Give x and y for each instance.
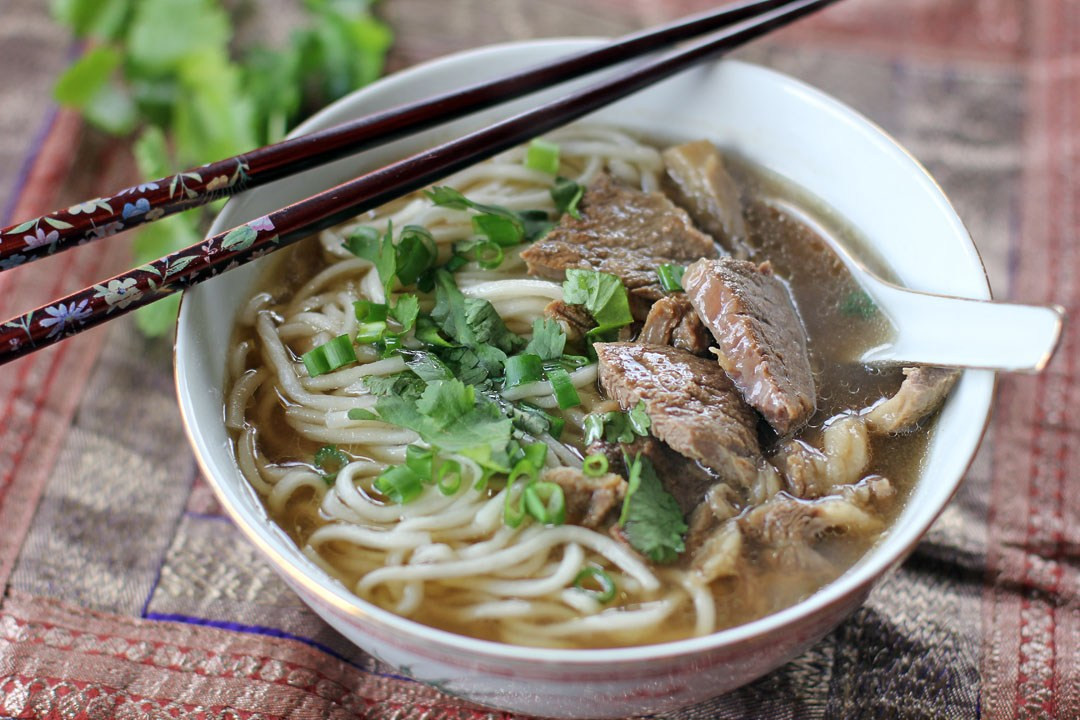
(959, 332)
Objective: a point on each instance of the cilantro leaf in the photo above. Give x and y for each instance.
(548, 340)
(473, 322)
(602, 294)
(444, 402)
(369, 244)
(401, 384)
(428, 367)
(405, 311)
(651, 519)
(501, 225)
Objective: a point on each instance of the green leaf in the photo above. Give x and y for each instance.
(602, 294)
(405, 311)
(167, 34)
(152, 154)
(651, 518)
(367, 243)
(101, 19)
(446, 401)
(87, 76)
(548, 340)
(157, 319)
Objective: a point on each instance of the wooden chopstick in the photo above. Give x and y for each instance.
(152, 200)
(125, 292)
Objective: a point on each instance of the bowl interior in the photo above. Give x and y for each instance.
(773, 120)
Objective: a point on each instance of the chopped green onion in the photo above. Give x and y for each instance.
(543, 156)
(563, 387)
(595, 465)
(499, 229)
(513, 508)
(536, 454)
(671, 277)
(330, 460)
(391, 344)
(448, 477)
(488, 254)
(367, 311)
(546, 502)
(456, 262)
(573, 362)
(567, 194)
(557, 426)
(591, 574)
(400, 484)
(329, 356)
(420, 460)
(521, 369)
(369, 332)
(523, 468)
(550, 424)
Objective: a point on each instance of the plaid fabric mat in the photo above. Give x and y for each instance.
(128, 594)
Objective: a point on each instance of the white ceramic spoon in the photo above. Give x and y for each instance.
(956, 332)
(960, 332)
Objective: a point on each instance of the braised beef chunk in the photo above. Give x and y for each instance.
(920, 395)
(786, 528)
(699, 183)
(589, 500)
(673, 321)
(574, 320)
(762, 342)
(686, 480)
(692, 404)
(624, 232)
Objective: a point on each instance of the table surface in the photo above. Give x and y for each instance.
(127, 593)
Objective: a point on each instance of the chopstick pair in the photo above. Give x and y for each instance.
(147, 202)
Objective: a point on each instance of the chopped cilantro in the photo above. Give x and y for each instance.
(602, 294)
(369, 244)
(502, 226)
(405, 311)
(617, 426)
(473, 322)
(651, 519)
(548, 339)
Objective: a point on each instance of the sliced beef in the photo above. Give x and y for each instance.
(762, 342)
(686, 480)
(811, 473)
(920, 395)
(574, 320)
(624, 232)
(693, 405)
(698, 182)
(589, 500)
(673, 321)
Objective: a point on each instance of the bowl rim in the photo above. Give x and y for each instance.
(869, 569)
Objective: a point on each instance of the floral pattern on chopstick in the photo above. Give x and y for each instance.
(137, 287)
(133, 206)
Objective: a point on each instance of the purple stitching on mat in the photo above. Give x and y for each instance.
(28, 162)
(208, 516)
(269, 632)
(165, 552)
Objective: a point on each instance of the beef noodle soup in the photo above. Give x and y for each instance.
(592, 393)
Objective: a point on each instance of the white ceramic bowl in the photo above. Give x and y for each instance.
(780, 123)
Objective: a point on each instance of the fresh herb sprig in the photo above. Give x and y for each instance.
(170, 73)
